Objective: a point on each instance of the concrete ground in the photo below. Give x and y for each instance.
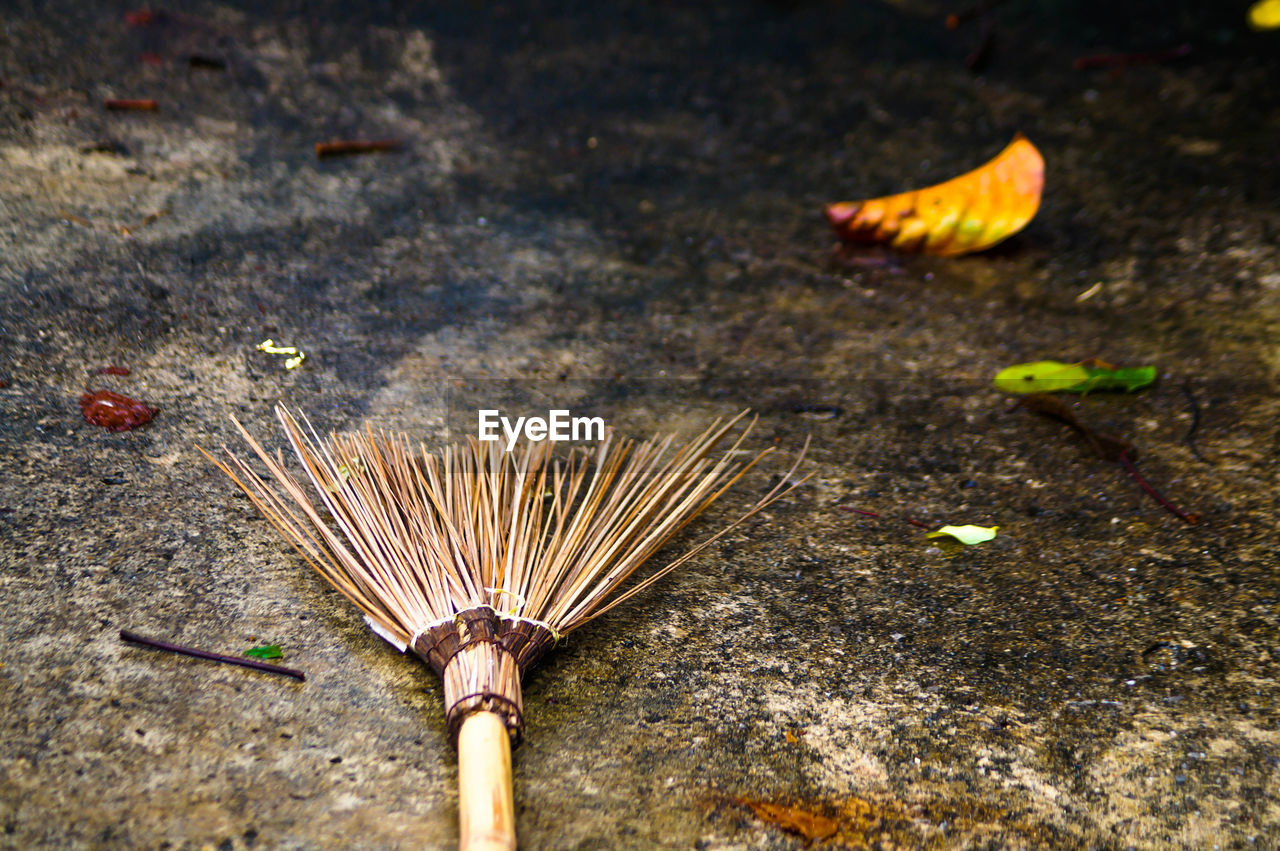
(617, 207)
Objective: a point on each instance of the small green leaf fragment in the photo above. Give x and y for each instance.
(1046, 376)
(965, 534)
(265, 651)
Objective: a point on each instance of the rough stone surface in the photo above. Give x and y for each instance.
(616, 206)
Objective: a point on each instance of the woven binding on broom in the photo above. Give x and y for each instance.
(481, 656)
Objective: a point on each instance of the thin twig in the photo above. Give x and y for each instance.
(978, 58)
(347, 147)
(131, 104)
(1121, 60)
(1155, 494)
(213, 657)
(1104, 445)
(1190, 439)
(865, 513)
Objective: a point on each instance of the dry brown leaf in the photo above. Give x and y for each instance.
(809, 825)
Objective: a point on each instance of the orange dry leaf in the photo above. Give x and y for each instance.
(968, 213)
(809, 825)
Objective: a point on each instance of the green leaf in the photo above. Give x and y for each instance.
(1129, 378)
(1051, 376)
(1046, 376)
(965, 534)
(266, 651)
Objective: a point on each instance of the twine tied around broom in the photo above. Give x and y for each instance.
(481, 656)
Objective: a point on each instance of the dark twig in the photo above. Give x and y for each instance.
(347, 147)
(1121, 60)
(213, 657)
(1104, 446)
(131, 104)
(978, 58)
(1190, 439)
(206, 63)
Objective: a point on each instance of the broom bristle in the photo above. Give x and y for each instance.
(480, 559)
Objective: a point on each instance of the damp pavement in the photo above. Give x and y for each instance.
(616, 209)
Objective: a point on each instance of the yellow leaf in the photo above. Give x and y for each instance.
(968, 213)
(968, 535)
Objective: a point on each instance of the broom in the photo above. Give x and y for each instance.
(479, 559)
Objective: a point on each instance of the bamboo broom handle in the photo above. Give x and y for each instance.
(486, 806)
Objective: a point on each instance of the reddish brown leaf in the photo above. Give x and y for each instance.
(115, 412)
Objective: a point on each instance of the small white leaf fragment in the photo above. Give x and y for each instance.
(965, 534)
